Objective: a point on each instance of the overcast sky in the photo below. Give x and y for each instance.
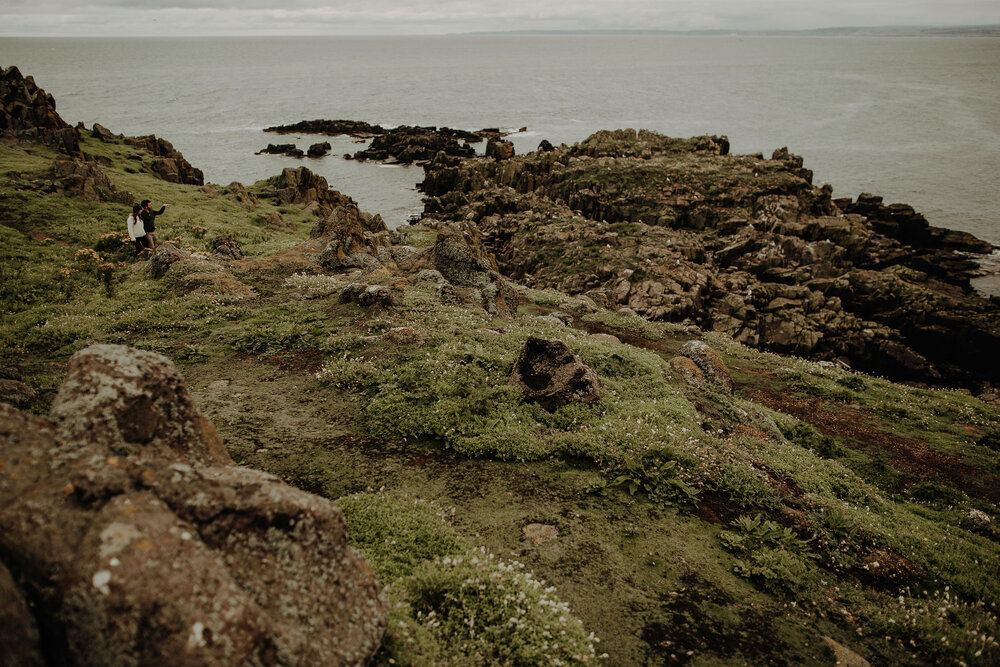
(365, 17)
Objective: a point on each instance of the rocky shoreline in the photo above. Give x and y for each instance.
(682, 231)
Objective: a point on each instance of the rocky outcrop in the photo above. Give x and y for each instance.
(348, 244)
(680, 230)
(291, 150)
(168, 162)
(235, 192)
(304, 188)
(550, 374)
(227, 247)
(102, 133)
(461, 258)
(499, 149)
(86, 180)
(27, 112)
(164, 256)
(127, 537)
(333, 128)
(363, 130)
(406, 144)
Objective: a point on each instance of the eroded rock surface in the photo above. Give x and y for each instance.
(137, 542)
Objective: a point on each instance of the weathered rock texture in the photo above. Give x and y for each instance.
(550, 374)
(225, 246)
(127, 537)
(304, 188)
(168, 162)
(28, 112)
(679, 230)
(459, 256)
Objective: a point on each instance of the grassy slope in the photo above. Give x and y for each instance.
(433, 454)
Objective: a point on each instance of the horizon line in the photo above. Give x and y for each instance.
(843, 30)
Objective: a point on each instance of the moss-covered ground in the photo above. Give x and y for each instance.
(683, 524)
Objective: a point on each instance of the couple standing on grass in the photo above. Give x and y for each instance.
(141, 225)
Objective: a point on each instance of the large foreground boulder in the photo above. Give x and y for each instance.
(550, 374)
(129, 538)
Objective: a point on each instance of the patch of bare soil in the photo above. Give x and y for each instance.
(914, 458)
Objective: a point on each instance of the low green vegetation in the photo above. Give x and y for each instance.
(684, 523)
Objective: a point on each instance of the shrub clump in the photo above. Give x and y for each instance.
(454, 603)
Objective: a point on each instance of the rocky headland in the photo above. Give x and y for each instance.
(682, 231)
(524, 431)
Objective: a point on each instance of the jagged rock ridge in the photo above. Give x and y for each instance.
(679, 229)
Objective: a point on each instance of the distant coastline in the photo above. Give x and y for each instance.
(846, 31)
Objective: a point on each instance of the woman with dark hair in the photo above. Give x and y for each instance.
(136, 232)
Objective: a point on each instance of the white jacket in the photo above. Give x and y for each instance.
(135, 228)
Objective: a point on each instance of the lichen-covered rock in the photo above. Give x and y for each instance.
(142, 545)
(225, 246)
(688, 370)
(709, 361)
(550, 374)
(133, 402)
(164, 256)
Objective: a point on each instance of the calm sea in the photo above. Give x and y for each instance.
(913, 119)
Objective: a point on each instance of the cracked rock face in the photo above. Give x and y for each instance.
(133, 540)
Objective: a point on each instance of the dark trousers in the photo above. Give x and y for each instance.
(140, 245)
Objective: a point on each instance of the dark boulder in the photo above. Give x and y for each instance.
(550, 374)
(282, 149)
(319, 150)
(367, 295)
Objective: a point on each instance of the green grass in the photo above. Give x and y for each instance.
(439, 463)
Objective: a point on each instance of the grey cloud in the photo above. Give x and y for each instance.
(180, 17)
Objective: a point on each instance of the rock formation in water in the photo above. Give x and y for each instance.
(680, 230)
(128, 537)
(291, 150)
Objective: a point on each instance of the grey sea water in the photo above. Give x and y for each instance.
(913, 119)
